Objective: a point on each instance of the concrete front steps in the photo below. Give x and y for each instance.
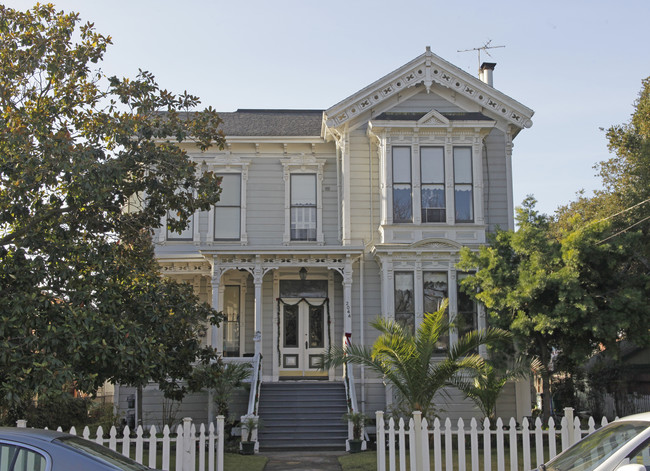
(302, 415)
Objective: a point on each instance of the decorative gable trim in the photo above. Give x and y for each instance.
(426, 70)
(433, 118)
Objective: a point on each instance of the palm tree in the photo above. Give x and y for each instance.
(487, 383)
(411, 363)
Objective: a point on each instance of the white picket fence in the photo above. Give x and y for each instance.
(202, 450)
(504, 448)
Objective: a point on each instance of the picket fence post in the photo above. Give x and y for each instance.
(568, 415)
(381, 441)
(220, 442)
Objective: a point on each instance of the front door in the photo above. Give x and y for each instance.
(302, 340)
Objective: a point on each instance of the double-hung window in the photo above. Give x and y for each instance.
(231, 324)
(303, 206)
(227, 211)
(402, 186)
(467, 316)
(404, 301)
(435, 291)
(432, 184)
(463, 182)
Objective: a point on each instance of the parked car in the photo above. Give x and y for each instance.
(623, 445)
(47, 450)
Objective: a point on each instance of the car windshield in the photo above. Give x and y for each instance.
(102, 453)
(594, 449)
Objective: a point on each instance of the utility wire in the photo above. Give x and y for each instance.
(624, 230)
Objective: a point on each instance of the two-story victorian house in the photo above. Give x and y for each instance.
(330, 218)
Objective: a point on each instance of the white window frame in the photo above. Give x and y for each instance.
(216, 206)
(223, 166)
(303, 164)
(449, 181)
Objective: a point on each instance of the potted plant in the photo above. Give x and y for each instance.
(358, 421)
(248, 425)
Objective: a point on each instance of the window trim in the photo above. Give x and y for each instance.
(471, 184)
(313, 206)
(223, 166)
(443, 183)
(214, 210)
(303, 164)
(175, 236)
(410, 220)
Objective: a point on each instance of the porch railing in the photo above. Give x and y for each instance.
(256, 382)
(351, 395)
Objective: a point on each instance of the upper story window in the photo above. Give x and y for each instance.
(402, 186)
(303, 217)
(227, 211)
(432, 186)
(463, 183)
(431, 183)
(303, 207)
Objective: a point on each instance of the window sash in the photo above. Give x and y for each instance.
(404, 300)
(467, 312)
(227, 211)
(185, 234)
(435, 289)
(463, 185)
(402, 187)
(232, 322)
(303, 210)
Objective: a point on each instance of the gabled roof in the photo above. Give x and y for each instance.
(426, 70)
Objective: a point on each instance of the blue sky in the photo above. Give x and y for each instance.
(578, 64)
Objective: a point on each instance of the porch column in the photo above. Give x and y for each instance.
(216, 337)
(258, 275)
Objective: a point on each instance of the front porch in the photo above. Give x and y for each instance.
(284, 307)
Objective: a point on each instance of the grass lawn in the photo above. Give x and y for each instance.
(237, 462)
(364, 461)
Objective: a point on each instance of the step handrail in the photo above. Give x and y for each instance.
(256, 382)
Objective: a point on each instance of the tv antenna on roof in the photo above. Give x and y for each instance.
(485, 48)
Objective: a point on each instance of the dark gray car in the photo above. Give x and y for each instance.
(25, 449)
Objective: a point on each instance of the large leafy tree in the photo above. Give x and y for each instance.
(89, 164)
(411, 363)
(563, 293)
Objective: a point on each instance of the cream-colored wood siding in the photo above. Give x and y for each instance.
(364, 186)
(495, 195)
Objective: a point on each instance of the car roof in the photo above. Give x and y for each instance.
(643, 416)
(32, 434)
